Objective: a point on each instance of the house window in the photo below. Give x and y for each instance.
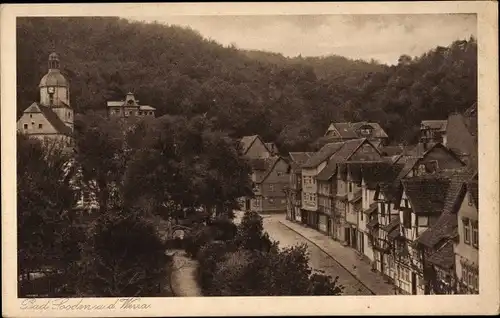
(350, 187)
(69, 115)
(31, 115)
(271, 200)
(475, 234)
(361, 216)
(407, 219)
(40, 126)
(271, 187)
(25, 126)
(382, 209)
(466, 224)
(151, 113)
(470, 199)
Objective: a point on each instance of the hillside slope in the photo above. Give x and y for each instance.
(289, 100)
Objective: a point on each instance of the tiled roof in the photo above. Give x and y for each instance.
(323, 154)
(426, 193)
(299, 158)
(345, 130)
(391, 150)
(54, 120)
(409, 164)
(442, 229)
(347, 149)
(378, 132)
(376, 172)
(372, 224)
(371, 209)
(247, 141)
(444, 257)
(328, 172)
(439, 125)
(458, 133)
(392, 225)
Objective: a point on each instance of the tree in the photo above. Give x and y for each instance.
(124, 258)
(101, 155)
(48, 235)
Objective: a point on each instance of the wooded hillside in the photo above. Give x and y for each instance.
(289, 100)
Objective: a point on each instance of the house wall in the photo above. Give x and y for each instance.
(465, 252)
(258, 150)
(32, 120)
(310, 187)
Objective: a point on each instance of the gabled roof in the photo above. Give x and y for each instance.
(33, 108)
(270, 164)
(427, 193)
(247, 142)
(323, 154)
(51, 117)
(328, 172)
(347, 149)
(439, 125)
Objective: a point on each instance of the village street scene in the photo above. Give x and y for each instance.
(156, 160)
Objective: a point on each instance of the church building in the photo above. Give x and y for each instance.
(50, 119)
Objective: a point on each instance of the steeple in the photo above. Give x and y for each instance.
(53, 62)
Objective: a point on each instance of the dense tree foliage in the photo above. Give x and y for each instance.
(125, 257)
(288, 100)
(48, 235)
(250, 264)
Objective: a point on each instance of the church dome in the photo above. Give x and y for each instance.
(53, 78)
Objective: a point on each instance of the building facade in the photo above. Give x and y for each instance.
(129, 107)
(51, 119)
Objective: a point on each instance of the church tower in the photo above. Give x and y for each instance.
(54, 92)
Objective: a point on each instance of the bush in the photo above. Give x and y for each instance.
(250, 233)
(208, 257)
(225, 229)
(197, 238)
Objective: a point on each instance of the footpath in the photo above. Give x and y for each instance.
(183, 280)
(346, 257)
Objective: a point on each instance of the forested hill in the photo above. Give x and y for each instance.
(289, 100)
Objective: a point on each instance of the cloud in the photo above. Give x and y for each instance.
(382, 37)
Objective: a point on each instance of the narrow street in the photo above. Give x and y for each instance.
(318, 259)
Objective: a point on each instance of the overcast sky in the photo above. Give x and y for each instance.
(381, 37)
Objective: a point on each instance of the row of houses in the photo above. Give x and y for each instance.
(412, 212)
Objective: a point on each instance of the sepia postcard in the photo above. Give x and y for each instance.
(203, 159)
